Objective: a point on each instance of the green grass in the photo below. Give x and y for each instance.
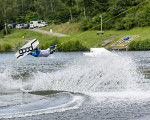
(65, 28)
(139, 45)
(15, 38)
(88, 38)
(143, 33)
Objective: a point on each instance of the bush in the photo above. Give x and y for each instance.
(1, 34)
(128, 23)
(0, 48)
(119, 25)
(84, 25)
(139, 45)
(62, 16)
(49, 43)
(41, 47)
(72, 46)
(7, 48)
(29, 17)
(4, 32)
(46, 45)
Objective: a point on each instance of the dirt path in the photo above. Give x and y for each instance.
(50, 33)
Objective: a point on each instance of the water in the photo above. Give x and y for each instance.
(111, 85)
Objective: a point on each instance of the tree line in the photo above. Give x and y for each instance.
(85, 11)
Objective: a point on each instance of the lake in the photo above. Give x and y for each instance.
(69, 86)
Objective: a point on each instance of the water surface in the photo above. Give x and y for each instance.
(70, 86)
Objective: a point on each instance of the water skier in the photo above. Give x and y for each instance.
(43, 53)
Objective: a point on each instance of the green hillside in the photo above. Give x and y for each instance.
(74, 17)
(88, 38)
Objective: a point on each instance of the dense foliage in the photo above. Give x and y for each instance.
(87, 11)
(69, 46)
(5, 48)
(73, 46)
(139, 45)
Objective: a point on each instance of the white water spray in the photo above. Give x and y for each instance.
(105, 71)
(7, 83)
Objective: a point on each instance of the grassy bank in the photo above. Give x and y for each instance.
(66, 28)
(76, 39)
(90, 39)
(15, 38)
(139, 45)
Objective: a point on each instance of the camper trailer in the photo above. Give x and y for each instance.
(44, 23)
(36, 24)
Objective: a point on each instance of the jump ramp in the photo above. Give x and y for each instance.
(95, 52)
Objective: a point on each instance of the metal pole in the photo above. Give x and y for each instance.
(101, 23)
(102, 32)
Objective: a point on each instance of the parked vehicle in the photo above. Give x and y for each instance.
(44, 23)
(12, 25)
(34, 24)
(26, 26)
(20, 26)
(37, 24)
(31, 25)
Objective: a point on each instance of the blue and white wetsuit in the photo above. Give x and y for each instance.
(42, 53)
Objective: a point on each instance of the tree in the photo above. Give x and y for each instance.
(83, 4)
(6, 9)
(48, 9)
(70, 3)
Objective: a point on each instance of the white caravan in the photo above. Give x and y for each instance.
(44, 23)
(36, 24)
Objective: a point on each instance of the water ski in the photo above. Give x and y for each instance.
(26, 49)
